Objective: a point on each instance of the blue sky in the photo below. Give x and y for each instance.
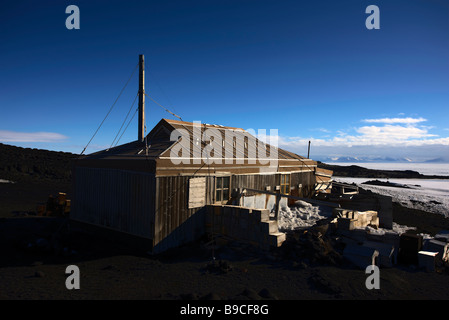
(310, 69)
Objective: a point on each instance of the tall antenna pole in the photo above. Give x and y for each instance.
(141, 128)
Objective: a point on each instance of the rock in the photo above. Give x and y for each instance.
(42, 245)
(321, 226)
(39, 274)
(189, 296)
(302, 204)
(111, 267)
(221, 266)
(324, 285)
(225, 266)
(211, 296)
(265, 293)
(270, 257)
(251, 294)
(240, 297)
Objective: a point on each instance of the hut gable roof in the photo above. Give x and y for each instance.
(158, 141)
(242, 143)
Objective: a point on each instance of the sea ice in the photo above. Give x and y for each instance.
(427, 195)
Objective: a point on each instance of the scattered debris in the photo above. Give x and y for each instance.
(311, 246)
(386, 252)
(351, 219)
(189, 296)
(442, 248)
(443, 235)
(211, 296)
(360, 255)
(266, 294)
(409, 246)
(356, 237)
(55, 207)
(250, 294)
(426, 260)
(246, 294)
(319, 282)
(22, 213)
(39, 274)
(218, 267)
(111, 267)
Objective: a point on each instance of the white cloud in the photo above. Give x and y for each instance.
(390, 134)
(404, 133)
(324, 130)
(396, 120)
(388, 137)
(14, 136)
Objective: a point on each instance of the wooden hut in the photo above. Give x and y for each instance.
(158, 186)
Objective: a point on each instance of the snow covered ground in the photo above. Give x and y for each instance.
(428, 195)
(304, 215)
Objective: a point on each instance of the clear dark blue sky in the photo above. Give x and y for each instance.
(310, 69)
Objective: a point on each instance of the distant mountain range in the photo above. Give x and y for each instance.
(438, 160)
(349, 159)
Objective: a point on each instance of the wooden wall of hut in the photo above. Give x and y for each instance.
(259, 182)
(157, 207)
(116, 199)
(176, 224)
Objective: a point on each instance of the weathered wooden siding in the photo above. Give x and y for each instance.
(166, 167)
(175, 223)
(307, 180)
(260, 182)
(157, 207)
(116, 199)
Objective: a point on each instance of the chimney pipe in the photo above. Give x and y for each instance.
(308, 152)
(141, 133)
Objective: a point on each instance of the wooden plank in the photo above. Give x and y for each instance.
(197, 192)
(318, 202)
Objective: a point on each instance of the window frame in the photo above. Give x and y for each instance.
(285, 186)
(220, 189)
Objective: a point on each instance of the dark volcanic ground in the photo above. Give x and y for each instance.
(36, 175)
(35, 252)
(110, 269)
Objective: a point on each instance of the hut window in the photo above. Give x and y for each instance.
(222, 187)
(285, 183)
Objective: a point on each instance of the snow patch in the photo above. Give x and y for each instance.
(301, 215)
